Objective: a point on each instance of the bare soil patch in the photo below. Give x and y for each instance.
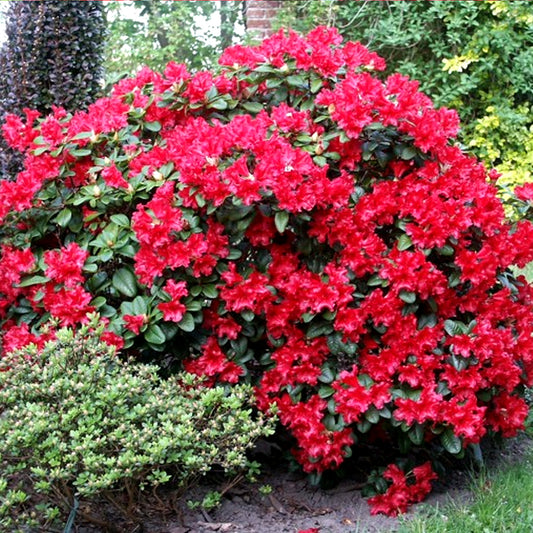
(294, 504)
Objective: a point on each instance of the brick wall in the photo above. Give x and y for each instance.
(259, 14)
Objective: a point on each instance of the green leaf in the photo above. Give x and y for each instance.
(365, 380)
(169, 329)
(281, 220)
(219, 104)
(166, 169)
(41, 150)
(253, 107)
(82, 152)
(99, 301)
(272, 83)
(372, 415)
(316, 85)
(325, 391)
(407, 297)
(451, 442)
(152, 126)
(319, 328)
(333, 423)
(139, 306)
(364, 426)
(408, 152)
(107, 311)
(33, 280)
(154, 335)
(210, 291)
(120, 220)
(446, 250)
(335, 344)
(195, 290)
(454, 279)
(404, 242)
(83, 135)
(452, 327)
(234, 253)
(63, 217)
(240, 346)
(459, 363)
(427, 321)
(416, 434)
(247, 315)
(125, 281)
(478, 454)
(127, 251)
(187, 323)
(320, 160)
(327, 375)
(375, 281)
(296, 80)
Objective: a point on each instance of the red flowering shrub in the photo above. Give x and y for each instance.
(293, 221)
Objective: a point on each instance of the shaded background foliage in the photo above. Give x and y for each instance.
(153, 33)
(52, 56)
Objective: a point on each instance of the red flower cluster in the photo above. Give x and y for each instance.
(293, 220)
(404, 490)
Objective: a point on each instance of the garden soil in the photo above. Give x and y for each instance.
(294, 505)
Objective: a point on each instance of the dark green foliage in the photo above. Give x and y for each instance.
(52, 56)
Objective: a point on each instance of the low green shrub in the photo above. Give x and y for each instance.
(77, 424)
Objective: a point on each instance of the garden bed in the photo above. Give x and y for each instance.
(293, 504)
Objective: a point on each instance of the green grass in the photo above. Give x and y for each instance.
(502, 502)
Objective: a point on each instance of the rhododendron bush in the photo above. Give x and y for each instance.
(293, 221)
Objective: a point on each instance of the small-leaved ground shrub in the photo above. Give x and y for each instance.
(77, 424)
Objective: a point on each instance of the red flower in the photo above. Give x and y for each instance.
(241, 294)
(507, 414)
(69, 304)
(17, 134)
(213, 363)
(13, 265)
(134, 322)
(65, 265)
(466, 417)
(174, 310)
(113, 177)
(401, 493)
(198, 86)
(16, 337)
(524, 192)
(111, 338)
(427, 407)
(353, 399)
